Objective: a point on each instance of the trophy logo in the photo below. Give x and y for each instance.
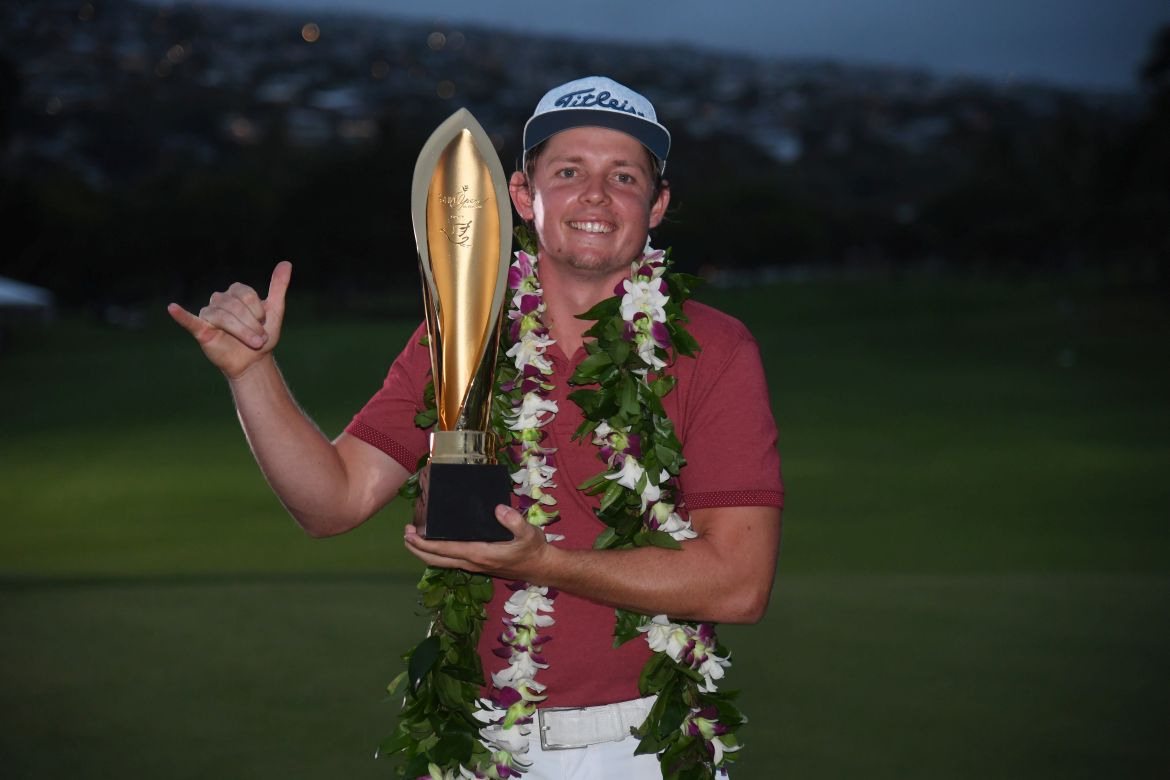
(463, 232)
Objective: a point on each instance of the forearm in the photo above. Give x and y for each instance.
(723, 575)
(686, 584)
(301, 465)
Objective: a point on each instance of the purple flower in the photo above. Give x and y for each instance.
(660, 334)
(505, 697)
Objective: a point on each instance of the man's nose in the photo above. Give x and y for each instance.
(595, 190)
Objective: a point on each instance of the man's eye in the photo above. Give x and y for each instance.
(566, 173)
(624, 178)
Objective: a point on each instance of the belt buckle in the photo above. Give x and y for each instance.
(545, 743)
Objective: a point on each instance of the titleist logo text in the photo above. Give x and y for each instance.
(584, 98)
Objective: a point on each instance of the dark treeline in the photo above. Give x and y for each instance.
(174, 206)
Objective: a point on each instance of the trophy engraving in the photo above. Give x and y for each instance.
(463, 231)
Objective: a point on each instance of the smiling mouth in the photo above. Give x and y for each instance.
(592, 227)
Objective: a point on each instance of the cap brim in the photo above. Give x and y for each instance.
(543, 126)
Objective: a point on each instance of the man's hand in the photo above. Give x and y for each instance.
(724, 575)
(522, 558)
(236, 328)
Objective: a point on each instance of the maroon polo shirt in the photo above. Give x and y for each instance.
(723, 419)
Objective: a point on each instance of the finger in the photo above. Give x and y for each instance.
(445, 549)
(431, 558)
(277, 289)
(234, 319)
(249, 298)
(189, 322)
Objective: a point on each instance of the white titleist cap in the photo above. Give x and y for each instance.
(597, 101)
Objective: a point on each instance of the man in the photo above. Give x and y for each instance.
(592, 189)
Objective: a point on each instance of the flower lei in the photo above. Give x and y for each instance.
(441, 732)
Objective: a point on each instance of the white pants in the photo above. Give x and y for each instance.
(603, 761)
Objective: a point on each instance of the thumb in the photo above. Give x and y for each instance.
(510, 518)
(277, 289)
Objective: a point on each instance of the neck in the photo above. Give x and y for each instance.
(568, 293)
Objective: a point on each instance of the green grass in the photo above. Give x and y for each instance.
(974, 579)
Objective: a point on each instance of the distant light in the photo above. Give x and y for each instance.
(456, 40)
(380, 69)
(176, 53)
(85, 13)
(242, 130)
(436, 41)
(358, 129)
(53, 106)
(310, 32)
(445, 89)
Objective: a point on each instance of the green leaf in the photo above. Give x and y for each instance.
(455, 618)
(673, 714)
(393, 686)
(612, 494)
(663, 385)
(628, 396)
(651, 679)
(422, 660)
(603, 539)
(453, 747)
(606, 309)
(657, 539)
(625, 626)
(416, 767)
(591, 367)
(684, 343)
(426, 418)
(395, 743)
(449, 689)
(525, 239)
(619, 350)
(481, 589)
(590, 485)
(432, 597)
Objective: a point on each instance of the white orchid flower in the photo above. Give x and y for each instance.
(528, 415)
(643, 297)
(648, 355)
(631, 472)
(530, 351)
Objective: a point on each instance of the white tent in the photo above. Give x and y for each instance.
(18, 298)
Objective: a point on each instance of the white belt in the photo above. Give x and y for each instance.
(576, 727)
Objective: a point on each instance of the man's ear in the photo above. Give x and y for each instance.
(658, 207)
(521, 196)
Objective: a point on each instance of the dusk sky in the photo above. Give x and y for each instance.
(1082, 43)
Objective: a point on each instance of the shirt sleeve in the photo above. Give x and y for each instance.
(387, 419)
(730, 436)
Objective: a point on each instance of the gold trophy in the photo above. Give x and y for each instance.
(463, 230)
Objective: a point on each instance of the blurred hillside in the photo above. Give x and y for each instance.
(151, 152)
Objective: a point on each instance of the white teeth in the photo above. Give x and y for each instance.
(591, 227)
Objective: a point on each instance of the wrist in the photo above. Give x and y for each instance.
(260, 370)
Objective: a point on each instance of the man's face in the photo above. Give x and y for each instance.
(591, 199)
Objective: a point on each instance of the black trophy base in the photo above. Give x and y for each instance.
(458, 502)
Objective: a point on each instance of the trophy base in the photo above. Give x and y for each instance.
(458, 502)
